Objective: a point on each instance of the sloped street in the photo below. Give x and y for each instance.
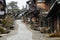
(25, 33)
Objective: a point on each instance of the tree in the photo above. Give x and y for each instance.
(13, 8)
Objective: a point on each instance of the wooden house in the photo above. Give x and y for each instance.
(44, 6)
(33, 12)
(54, 18)
(2, 8)
(32, 8)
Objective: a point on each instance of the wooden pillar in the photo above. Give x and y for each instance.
(48, 22)
(58, 24)
(55, 24)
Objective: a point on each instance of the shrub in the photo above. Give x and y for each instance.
(2, 31)
(7, 22)
(4, 21)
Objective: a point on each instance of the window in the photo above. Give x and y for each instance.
(1, 12)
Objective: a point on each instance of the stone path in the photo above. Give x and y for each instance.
(23, 32)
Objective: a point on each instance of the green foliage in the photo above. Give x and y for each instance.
(7, 22)
(4, 21)
(13, 3)
(13, 8)
(2, 30)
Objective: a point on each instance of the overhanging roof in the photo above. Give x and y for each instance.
(53, 10)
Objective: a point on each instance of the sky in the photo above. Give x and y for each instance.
(20, 4)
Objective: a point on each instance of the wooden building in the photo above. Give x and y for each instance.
(54, 18)
(2, 8)
(32, 8)
(38, 9)
(32, 13)
(44, 6)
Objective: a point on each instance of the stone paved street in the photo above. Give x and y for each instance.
(25, 33)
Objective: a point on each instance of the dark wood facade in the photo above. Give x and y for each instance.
(54, 15)
(41, 6)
